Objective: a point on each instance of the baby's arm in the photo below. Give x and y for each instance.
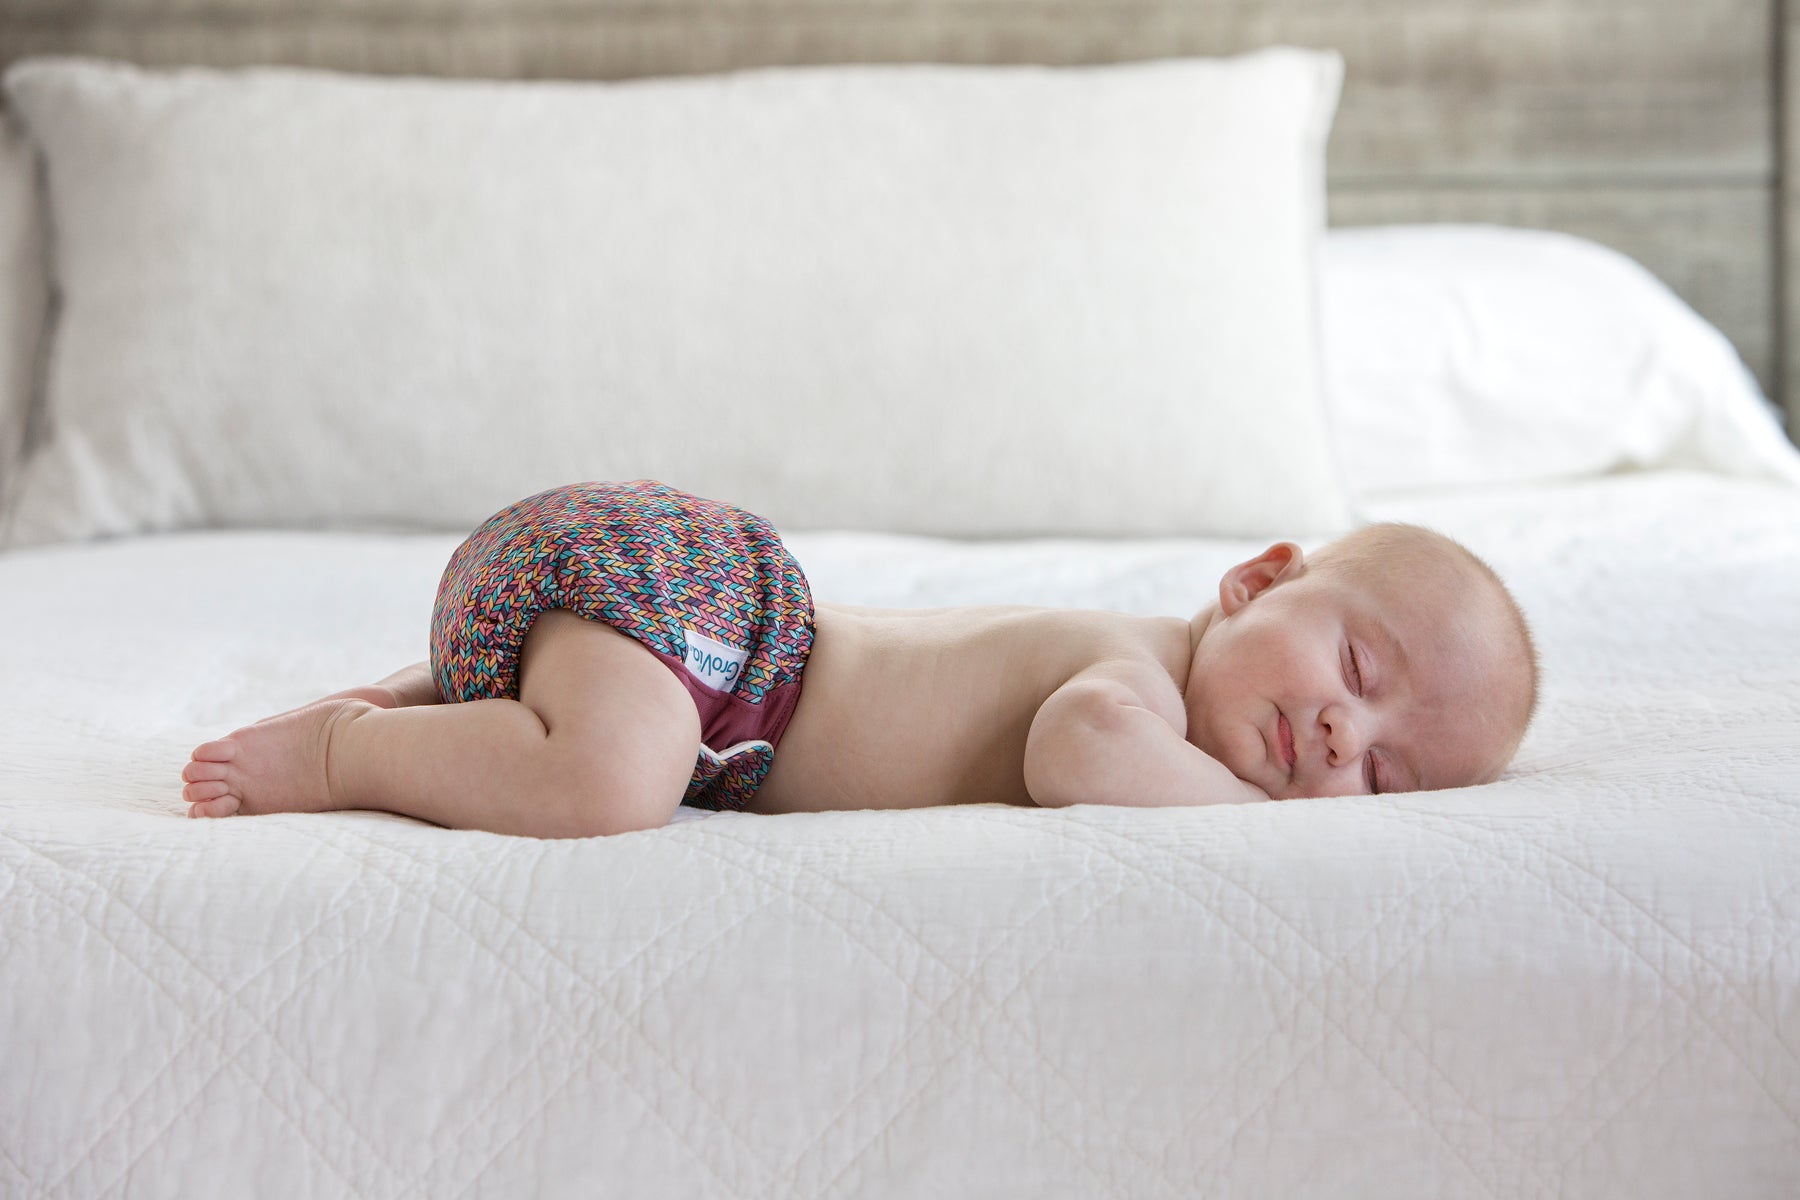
(1106, 737)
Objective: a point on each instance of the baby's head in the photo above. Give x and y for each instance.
(1392, 660)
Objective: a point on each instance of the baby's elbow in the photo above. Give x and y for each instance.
(1047, 791)
(1050, 786)
(1059, 760)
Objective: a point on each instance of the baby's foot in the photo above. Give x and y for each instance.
(275, 765)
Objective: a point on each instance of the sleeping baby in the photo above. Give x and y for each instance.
(603, 652)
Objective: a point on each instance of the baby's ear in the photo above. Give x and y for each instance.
(1250, 579)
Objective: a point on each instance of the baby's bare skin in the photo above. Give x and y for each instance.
(899, 708)
(905, 708)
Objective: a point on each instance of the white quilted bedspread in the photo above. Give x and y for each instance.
(1583, 980)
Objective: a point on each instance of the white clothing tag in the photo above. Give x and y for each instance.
(735, 749)
(713, 663)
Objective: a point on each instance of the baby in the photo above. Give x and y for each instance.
(611, 650)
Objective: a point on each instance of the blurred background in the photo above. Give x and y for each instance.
(1653, 126)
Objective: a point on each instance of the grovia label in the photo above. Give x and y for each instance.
(713, 663)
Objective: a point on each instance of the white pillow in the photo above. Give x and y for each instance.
(23, 290)
(931, 299)
(1466, 354)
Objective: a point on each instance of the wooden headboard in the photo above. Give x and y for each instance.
(1655, 126)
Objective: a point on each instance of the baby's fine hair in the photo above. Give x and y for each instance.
(1394, 545)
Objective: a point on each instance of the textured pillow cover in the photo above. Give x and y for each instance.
(23, 291)
(931, 299)
(1460, 355)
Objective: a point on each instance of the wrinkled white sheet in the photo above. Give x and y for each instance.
(1584, 979)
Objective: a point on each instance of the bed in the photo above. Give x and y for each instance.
(1583, 979)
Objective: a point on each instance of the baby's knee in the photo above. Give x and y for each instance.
(592, 796)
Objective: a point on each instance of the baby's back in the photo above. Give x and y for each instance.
(903, 708)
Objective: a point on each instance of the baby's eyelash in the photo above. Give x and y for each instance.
(1356, 669)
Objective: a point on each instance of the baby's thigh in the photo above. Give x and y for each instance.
(623, 730)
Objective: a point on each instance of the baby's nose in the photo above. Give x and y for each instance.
(1343, 735)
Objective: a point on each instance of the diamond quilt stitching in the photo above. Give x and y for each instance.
(618, 968)
(526, 1117)
(960, 985)
(593, 989)
(1672, 939)
(179, 1051)
(1303, 996)
(295, 1121)
(964, 985)
(1720, 975)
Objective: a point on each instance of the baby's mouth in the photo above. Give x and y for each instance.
(1285, 733)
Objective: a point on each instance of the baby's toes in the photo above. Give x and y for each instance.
(200, 772)
(224, 806)
(223, 750)
(193, 793)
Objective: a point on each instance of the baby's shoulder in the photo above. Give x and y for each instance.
(1144, 657)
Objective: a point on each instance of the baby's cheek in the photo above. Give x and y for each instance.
(1222, 746)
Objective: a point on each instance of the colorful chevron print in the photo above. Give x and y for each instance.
(649, 561)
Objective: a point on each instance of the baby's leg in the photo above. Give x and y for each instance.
(601, 740)
(403, 689)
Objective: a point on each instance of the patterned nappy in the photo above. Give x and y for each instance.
(709, 588)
